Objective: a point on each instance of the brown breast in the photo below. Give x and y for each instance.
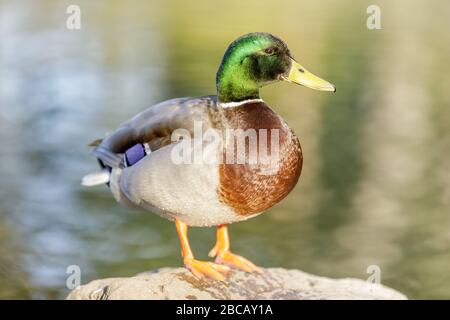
(253, 187)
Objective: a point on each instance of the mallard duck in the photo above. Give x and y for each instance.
(141, 164)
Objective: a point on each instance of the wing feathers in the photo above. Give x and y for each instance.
(107, 157)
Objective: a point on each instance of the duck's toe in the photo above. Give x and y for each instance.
(206, 269)
(237, 261)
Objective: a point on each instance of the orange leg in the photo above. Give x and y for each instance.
(199, 268)
(223, 255)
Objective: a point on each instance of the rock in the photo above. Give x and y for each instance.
(275, 283)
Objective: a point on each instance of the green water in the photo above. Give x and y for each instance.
(375, 186)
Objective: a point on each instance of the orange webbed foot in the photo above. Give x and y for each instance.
(224, 256)
(206, 269)
(234, 260)
(201, 269)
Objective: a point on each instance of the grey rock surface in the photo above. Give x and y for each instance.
(275, 283)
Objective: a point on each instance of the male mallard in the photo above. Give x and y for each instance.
(141, 158)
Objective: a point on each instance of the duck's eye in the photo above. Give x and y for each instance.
(270, 51)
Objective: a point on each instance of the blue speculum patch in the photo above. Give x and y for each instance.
(134, 154)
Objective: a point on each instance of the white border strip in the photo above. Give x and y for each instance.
(239, 103)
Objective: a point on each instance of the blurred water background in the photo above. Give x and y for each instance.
(375, 187)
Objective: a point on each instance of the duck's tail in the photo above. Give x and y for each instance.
(96, 178)
(103, 176)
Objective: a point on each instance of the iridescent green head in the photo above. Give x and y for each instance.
(255, 60)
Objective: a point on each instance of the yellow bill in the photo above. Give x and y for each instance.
(298, 74)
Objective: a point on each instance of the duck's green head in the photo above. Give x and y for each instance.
(255, 60)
